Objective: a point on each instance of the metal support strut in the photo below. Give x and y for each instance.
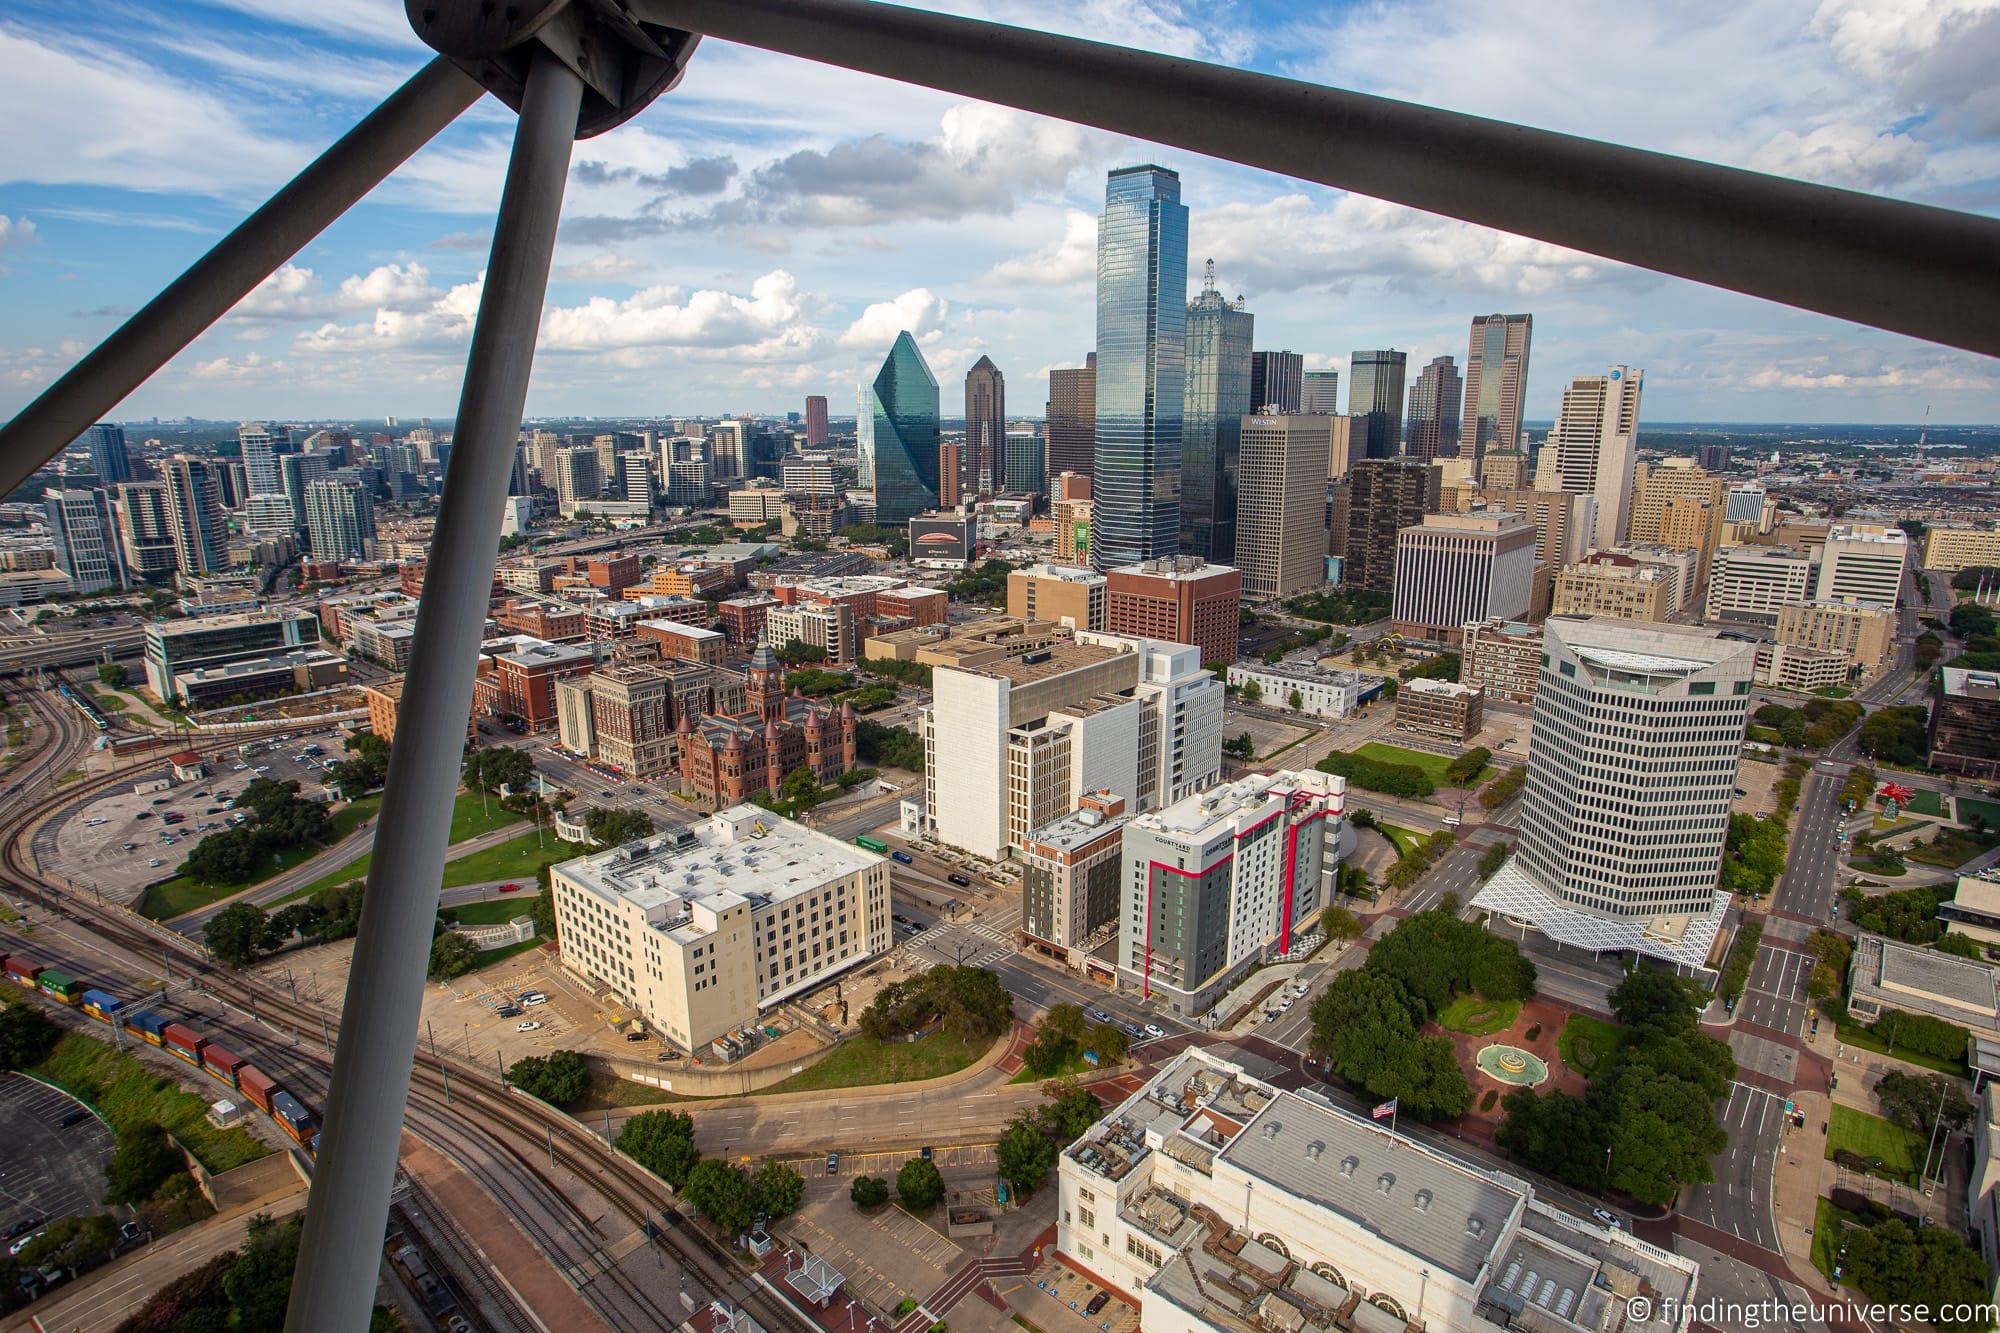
(333, 1287)
(362, 158)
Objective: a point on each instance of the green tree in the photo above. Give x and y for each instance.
(869, 1191)
(1896, 735)
(112, 674)
(918, 1184)
(542, 911)
(611, 826)
(722, 1193)
(1924, 1102)
(452, 955)
(798, 652)
(1491, 860)
(26, 1036)
(559, 1079)
(493, 767)
(259, 1283)
(236, 933)
(1895, 1264)
(1108, 1042)
(1339, 924)
(1465, 769)
(1295, 701)
(776, 1190)
(1068, 1110)
(801, 790)
(663, 1143)
(144, 1160)
(1024, 1154)
(1253, 693)
(1652, 1001)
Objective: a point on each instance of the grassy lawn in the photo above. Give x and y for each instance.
(516, 859)
(1585, 1043)
(1952, 847)
(1076, 1065)
(181, 894)
(1829, 1224)
(129, 1093)
(610, 1090)
(1856, 1035)
(1834, 692)
(1478, 1016)
(1404, 839)
(348, 818)
(1924, 801)
(497, 911)
(488, 957)
(1433, 765)
(864, 1060)
(1989, 811)
(1901, 1152)
(467, 821)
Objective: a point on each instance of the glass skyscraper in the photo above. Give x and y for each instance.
(1496, 382)
(1218, 396)
(1375, 400)
(106, 444)
(896, 434)
(1142, 238)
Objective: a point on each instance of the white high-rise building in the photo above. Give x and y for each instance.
(1638, 730)
(340, 520)
(85, 538)
(1455, 568)
(260, 459)
(1863, 563)
(201, 530)
(1319, 393)
(1753, 583)
(1224, 879)
(1011, 745)
(1596, 439)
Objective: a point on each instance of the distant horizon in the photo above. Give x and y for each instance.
(416, 421)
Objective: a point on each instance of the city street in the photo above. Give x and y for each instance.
(1738, 1202)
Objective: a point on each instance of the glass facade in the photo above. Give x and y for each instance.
(896, 430)
(1496, 379)
(1375, 399)
(1142, 239)
(1216, 400)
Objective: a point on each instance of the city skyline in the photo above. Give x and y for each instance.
(805, 256)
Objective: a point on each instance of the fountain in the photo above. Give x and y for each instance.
(1512, 1065)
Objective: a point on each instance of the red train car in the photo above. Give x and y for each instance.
(222, 1064)
(183, 1041)
(258, 1086)
(23, 971)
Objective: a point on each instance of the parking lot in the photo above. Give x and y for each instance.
(45, 1169)
(885, 1256)
(114, 842)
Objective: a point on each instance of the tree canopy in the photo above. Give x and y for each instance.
(968, 1002)
(663, 1143)
(918, 1183)
(492, 767)
(611, 825)
(559, 1079)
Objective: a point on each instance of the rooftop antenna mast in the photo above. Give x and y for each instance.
(1925, 434)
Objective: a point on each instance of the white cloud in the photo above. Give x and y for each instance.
(1845, 154)
(1938, 55)
(919, 311)
(1072, 259)
(443, 324)
(16, 233)
(296, 292)
(771, 324)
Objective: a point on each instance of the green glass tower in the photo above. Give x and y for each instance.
(896, 430)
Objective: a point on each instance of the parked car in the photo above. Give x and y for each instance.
(509, 1010)
(510, 888)
(1097, 1302)
(902, 858)
(531, 1025)
(531, 998)
(1133, 1030)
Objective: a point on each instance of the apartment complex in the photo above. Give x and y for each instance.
(1059, 594)
(1638, 731)
(1071, 869)
(1219, 1203)
(1503, 658)
(1609, 584)
(1754, 583)
(1179, 599)
(1223, 879)
(1440, 709)
(1280, 529)
(703, 928)
(1454, 568)
(1014, 744)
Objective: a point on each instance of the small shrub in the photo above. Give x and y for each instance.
(1533, 1032)
(1486, 1102)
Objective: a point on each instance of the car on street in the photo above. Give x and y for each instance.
(833, 1164)
(24, 1242)
(530, 1025)
(1133, 1030)
(1606, 1216)
(510, 888)
(1099, 1016)
(1155, 1030)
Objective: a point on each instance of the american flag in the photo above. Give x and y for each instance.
(1385, 1110)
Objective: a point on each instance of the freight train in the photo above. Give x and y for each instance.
(181, 1039)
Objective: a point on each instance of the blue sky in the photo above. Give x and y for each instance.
(762, 232)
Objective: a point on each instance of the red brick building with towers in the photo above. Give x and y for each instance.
(725, 759)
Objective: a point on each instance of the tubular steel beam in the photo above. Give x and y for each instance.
(335, 1280)
(333, 183)
(1929, 272)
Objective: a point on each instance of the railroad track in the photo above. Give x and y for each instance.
(471, 1113)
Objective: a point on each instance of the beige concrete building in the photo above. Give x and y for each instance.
(1675, 503)
(624, 716)
(1609, 584)
(1506, 470)
(1861, 632)
(1954, 549)
(1502, 657)
(1863, 562)
(1281, 504)
(1060, 594)
(1790, 667)
(702, 929)
(1442, 709)
(964, 645)
(1454, 568)
(1974, 909)
(1753, 583)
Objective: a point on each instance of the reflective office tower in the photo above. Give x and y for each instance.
(1596, 439)
(1375, 400)
(339, 519)
(1276, 381)
(1638, 730)
(1432, 430)
(1216, 401)
(985, 428)
(85, 538)
(896, 434)
(815, 420)
(1024, 462)
(300, 471)
(1141, 372)
(105, 443)
(1496, 383)
(1072, 417)
(1319, 393)
(201, 532)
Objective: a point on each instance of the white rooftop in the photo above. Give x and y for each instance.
(1684, 939)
